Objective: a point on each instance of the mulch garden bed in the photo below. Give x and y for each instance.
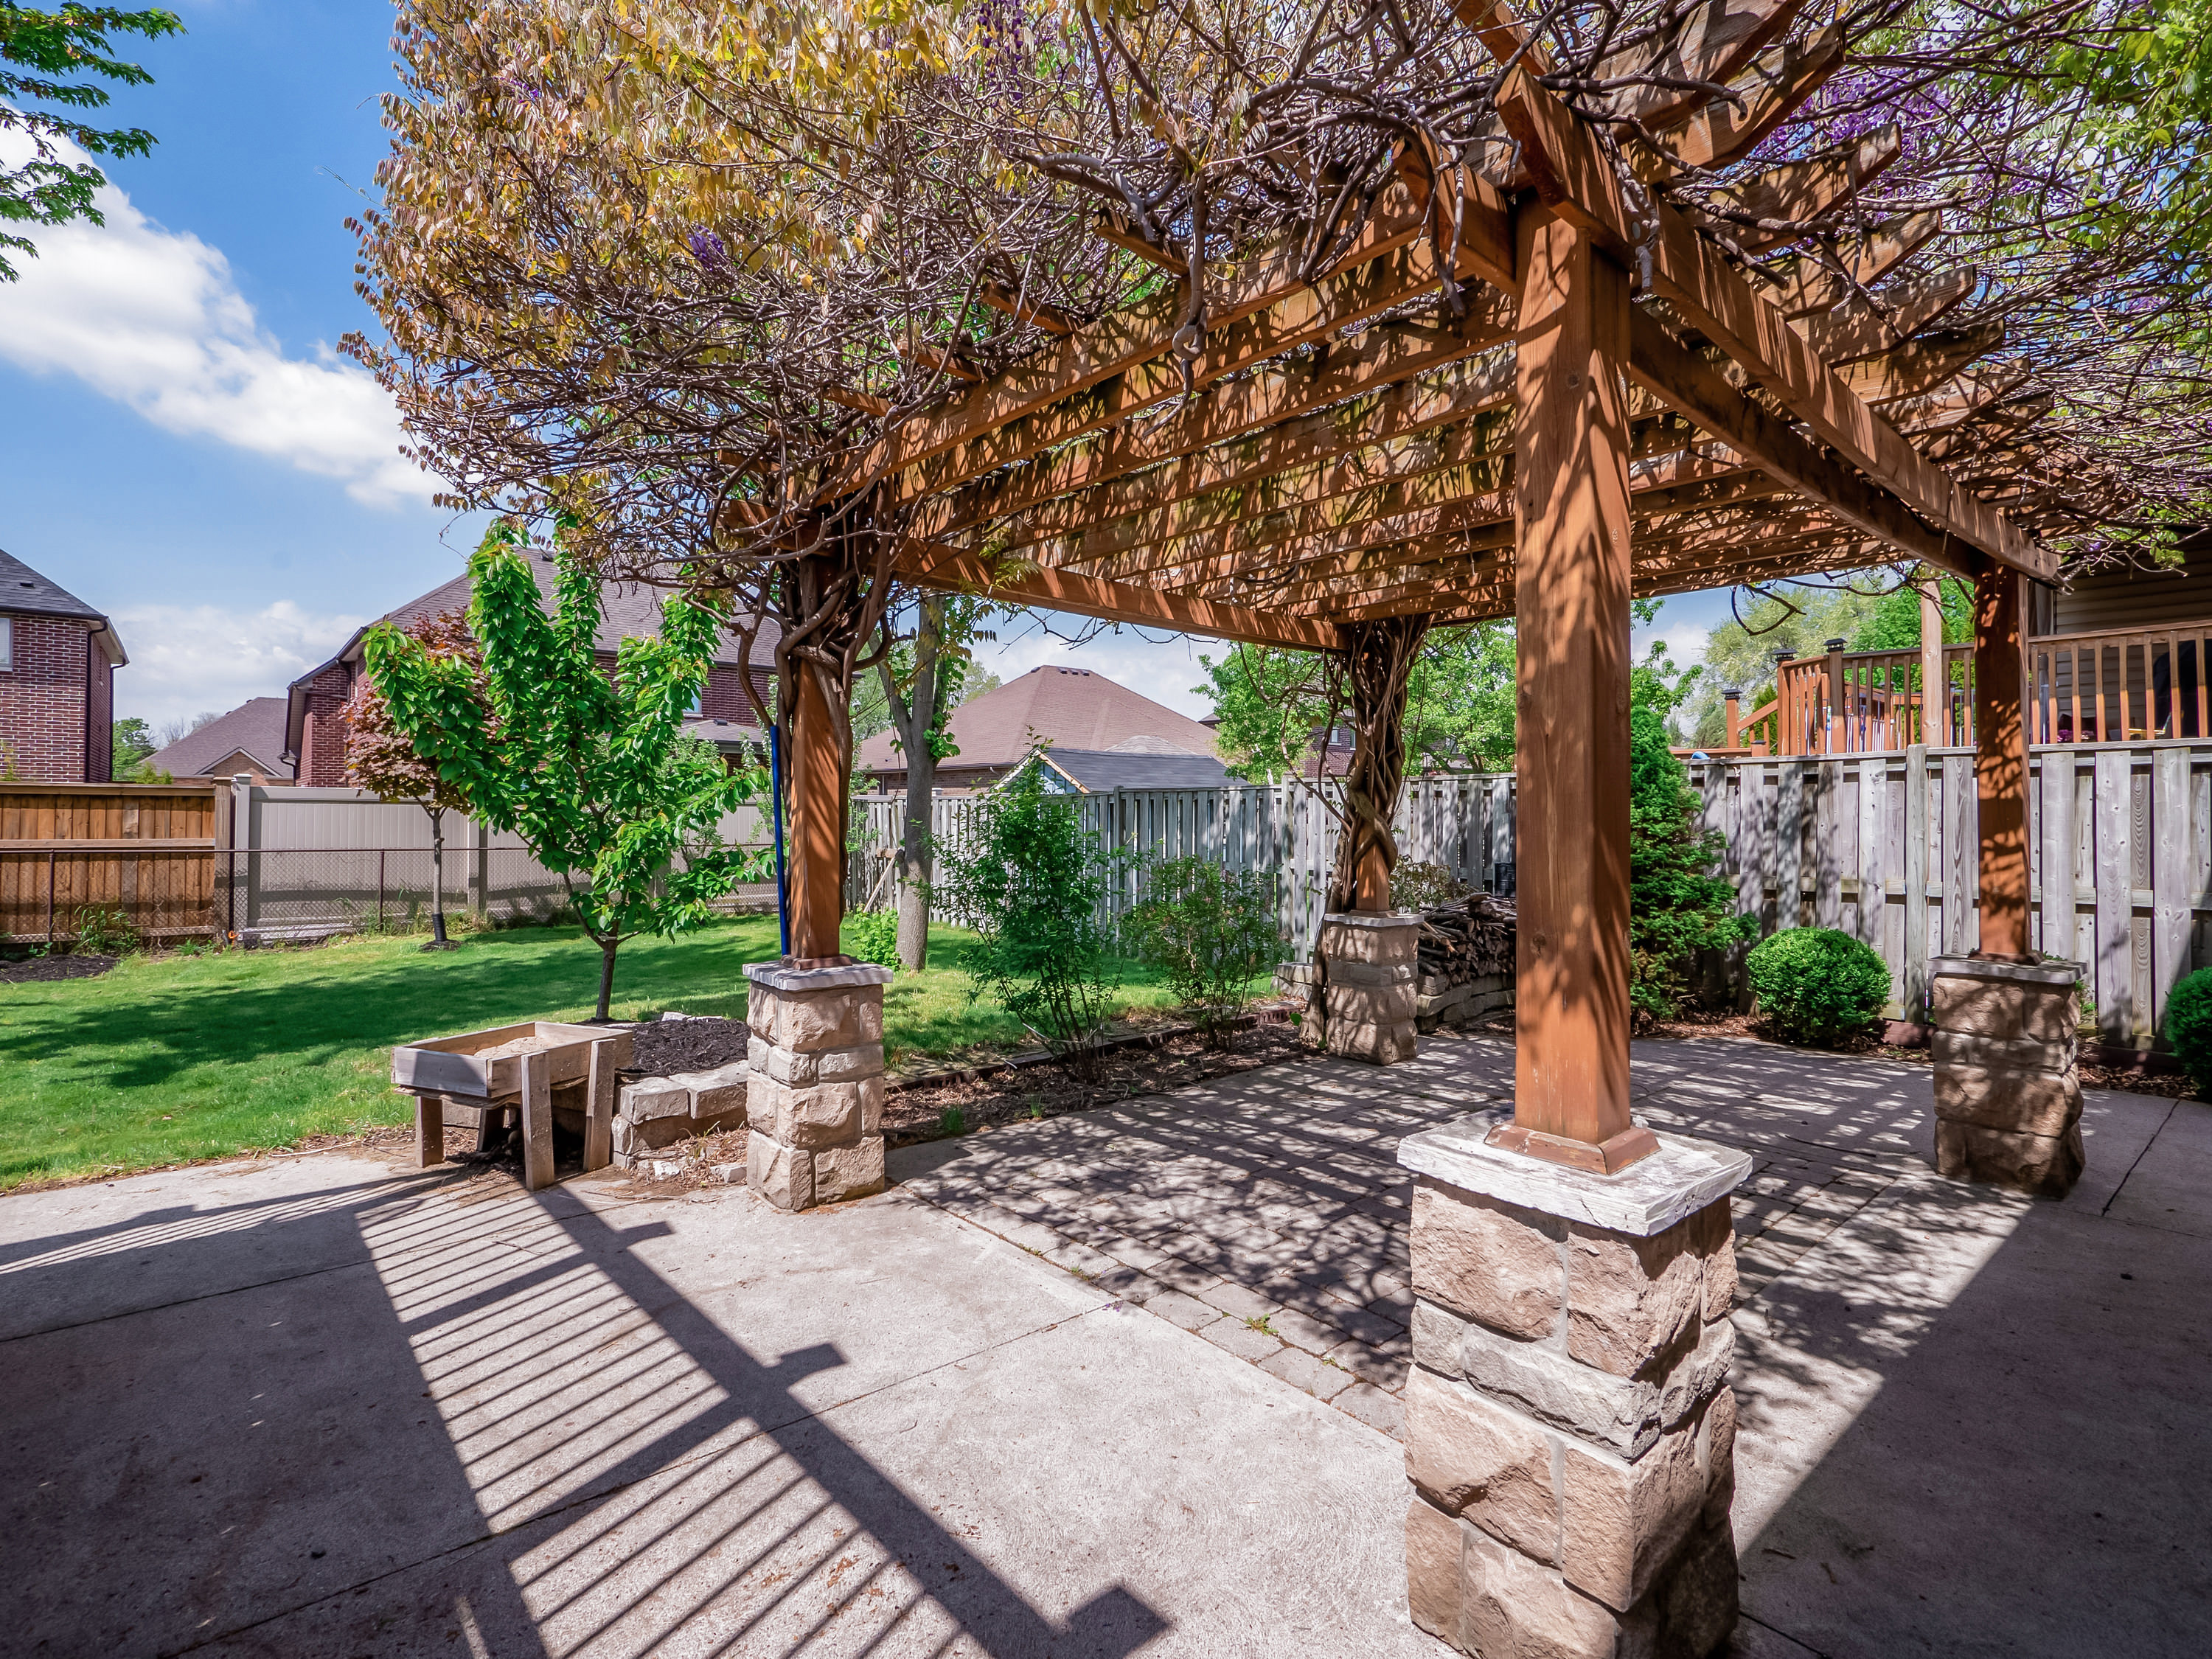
(662, 1048)
(24, 970)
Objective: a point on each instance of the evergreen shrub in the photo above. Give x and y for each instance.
(2189, 1027)
(1817, 985)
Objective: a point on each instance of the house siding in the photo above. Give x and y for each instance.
(43, 706)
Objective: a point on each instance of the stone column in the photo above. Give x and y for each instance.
(1569, 1433)
(815, 1100)
(2008, 1096)
(1371, 963)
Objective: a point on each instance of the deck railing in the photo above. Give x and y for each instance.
(2119, 685)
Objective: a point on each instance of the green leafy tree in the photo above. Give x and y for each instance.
(132, 742)
(1677, 906)
(1032, 888)
(592, 770)
(44, 57)
(1272, 702)
(1210, 931)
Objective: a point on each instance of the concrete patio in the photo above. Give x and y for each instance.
(1118, 1383)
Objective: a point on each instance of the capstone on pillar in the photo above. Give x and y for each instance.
(1569, 1431)
(814, 1099)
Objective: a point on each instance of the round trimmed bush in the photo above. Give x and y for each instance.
(1817, 985)
(2189, 1027)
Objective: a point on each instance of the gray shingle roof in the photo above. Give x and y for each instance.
(25, 592)
(1097, 770)
(1076, 709)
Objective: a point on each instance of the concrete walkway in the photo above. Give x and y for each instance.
(324, 1406)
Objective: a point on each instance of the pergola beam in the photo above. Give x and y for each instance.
(1579, 183)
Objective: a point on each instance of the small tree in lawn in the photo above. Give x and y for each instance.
(380, 757)
(1032, 888)
(592, 771)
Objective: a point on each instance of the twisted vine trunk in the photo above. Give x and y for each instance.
(1375, 663)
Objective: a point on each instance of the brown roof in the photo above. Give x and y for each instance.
(255, 727)
(1061, 707)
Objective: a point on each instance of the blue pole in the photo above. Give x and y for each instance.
(775, 791)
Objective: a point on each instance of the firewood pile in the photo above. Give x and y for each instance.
(1467, 939)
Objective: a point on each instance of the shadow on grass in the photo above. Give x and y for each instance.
(314, 1007)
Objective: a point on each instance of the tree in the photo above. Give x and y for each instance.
(379, 756)
(1032, 887)
(131, 743)
(1273, 704)
(1677, 906)
(920, 678)
(592, 770)
(38, 52)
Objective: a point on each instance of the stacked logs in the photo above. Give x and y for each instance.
(1465, 940)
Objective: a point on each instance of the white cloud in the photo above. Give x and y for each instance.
(1164, 670)
(151, 318)
(1685, 643)
(192, 659)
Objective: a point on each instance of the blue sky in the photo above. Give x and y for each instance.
(180, 445)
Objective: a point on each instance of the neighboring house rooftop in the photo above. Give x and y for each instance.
(1095, 771)
(626, 610)
(25, 592)
(1063, 708)
(254, 728)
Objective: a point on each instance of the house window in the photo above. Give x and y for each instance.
(7, 643)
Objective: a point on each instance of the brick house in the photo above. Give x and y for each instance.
(58, 662)
(314, 724)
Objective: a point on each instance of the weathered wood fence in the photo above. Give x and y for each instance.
(1882, 845)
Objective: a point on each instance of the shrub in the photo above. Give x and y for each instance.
(1415, 885)
(1211, 932)
(1817, 985)
(103, 930)
(1032, 889)
(872, 936)
(2189, 1027)
(1677, 907)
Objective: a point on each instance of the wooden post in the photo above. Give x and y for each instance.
(1839, 719)
(1571, 617)
(599, 1107)
(537, 1122)
(1732, 700)
(2000, 764)
(429, 1130)
(817, 822)
(1935, 688)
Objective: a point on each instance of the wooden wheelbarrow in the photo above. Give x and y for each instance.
(518, 1068)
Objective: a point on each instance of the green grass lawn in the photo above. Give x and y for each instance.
(169, 1057)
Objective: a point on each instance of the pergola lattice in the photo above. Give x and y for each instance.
(1344, 454)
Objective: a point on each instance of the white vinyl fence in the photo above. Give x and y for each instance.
(298, 861)
(1885, 846)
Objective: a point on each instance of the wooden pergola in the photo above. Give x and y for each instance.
(1530, 396)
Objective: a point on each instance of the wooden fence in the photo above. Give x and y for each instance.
(259, 862)
(1464, 823)
(142, 849)
(1885, 846)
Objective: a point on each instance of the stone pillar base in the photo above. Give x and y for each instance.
(2008, 1092)
(814, 1099)
(1368, 1003)
(1569, 1433)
